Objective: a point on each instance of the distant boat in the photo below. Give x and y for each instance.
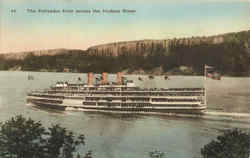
(30, 77)
(166, 77)
(156, 154)
(89, 154)
(140, 79)
(151, 77)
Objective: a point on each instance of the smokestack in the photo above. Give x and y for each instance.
(90, 78)
(119, 78)
(104, 78)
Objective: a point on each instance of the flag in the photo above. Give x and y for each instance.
(208, 67)
(211, 73)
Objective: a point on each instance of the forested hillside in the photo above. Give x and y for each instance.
(229, 53)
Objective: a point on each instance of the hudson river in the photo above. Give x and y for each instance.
(133, 137)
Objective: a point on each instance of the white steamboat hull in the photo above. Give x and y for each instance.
(68, 104)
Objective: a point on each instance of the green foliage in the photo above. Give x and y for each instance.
(231, 57)
(26, 138)
(232, 144)
(10, 63)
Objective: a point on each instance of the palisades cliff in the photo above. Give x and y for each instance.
(229, 53)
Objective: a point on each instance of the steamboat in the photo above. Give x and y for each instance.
(122, 96)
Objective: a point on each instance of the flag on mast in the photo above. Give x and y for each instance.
(208, 67)
(210, 72)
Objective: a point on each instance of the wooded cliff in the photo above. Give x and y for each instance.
(229, 53)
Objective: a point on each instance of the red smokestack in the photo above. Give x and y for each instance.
(119, 78)
(104, 78)
(90, 78)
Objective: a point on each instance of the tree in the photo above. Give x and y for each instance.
(232, 144)
(26, 138)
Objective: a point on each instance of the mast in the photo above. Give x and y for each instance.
(204, 80)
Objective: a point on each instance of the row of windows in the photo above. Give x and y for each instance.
(47, 96)
(149, 94)
(141, 100)
(150, 110)
(104, 90)
(138, 105)
(173, 100)
(49, 101)
(123, 100)
(78, 86)
(132, 94)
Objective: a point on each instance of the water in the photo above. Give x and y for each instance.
(111, 136)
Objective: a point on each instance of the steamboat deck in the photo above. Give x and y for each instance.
(123, 97)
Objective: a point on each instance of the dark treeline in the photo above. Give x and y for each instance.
(230, 57)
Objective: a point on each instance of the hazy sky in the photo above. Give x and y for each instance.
(153, 19)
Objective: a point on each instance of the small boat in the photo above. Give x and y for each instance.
(156, 154)
(89, 154)
(140, 79)
(151, 77)
(30, 77)
(166, 77)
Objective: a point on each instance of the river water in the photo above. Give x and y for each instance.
(114, 136)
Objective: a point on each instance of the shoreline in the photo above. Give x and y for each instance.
(126, 73)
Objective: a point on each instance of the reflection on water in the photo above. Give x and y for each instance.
(113, 136)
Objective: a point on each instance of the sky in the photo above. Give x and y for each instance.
(153, 19)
